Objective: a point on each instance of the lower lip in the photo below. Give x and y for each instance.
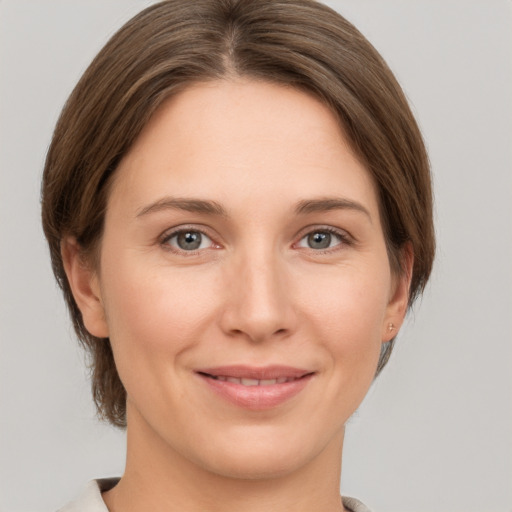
(257, 398)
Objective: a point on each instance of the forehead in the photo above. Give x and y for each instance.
(242, 138)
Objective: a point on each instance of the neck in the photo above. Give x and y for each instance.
(159, 478)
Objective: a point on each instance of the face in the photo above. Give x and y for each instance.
(244, 281)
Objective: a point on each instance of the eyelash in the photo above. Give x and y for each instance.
(344, 239)
(169, 235)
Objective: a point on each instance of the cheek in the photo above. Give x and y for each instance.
(347, 315)
(155, 312)
(351, 299)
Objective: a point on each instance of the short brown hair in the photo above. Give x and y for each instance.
(172, 44)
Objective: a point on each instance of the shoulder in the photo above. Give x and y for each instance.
(353, 505)
(90, 500)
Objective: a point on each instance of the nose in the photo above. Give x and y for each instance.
(258, 303)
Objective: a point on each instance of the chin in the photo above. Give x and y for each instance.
(251, 466)
(258, 457)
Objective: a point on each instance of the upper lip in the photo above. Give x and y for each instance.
(255, 372)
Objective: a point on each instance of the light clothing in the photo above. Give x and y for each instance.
(91, 501)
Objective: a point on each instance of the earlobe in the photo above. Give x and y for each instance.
(85, 287)
(399, 299)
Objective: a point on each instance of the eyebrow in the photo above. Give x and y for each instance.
(189, 205)
(213, 208)
(330, 203)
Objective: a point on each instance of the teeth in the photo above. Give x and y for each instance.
(253, 382)
(250, 382)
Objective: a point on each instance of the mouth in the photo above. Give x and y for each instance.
(246, 381)
(256, 388)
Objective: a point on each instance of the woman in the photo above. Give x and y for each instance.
(237, 202)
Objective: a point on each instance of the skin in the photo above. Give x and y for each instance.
(256, 291)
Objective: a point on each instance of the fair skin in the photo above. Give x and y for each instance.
(284, 270)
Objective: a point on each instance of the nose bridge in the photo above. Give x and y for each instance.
(259, 304)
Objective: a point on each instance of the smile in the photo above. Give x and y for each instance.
(252, 382)
(255, 388)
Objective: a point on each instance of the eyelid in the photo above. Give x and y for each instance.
(164, 238)
(346, 239)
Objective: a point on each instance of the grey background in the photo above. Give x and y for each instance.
(435, 432)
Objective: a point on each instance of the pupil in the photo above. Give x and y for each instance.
(319, 240)
(189, 240)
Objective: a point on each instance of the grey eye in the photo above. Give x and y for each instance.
(189, 240)
(319, 240)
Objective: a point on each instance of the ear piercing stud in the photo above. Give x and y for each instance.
(391, 327)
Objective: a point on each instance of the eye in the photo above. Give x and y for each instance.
(188, 240)
(321, 239)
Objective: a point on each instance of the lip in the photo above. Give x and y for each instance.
(255, 388)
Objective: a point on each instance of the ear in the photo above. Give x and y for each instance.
(85, 287)
(399, 297)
